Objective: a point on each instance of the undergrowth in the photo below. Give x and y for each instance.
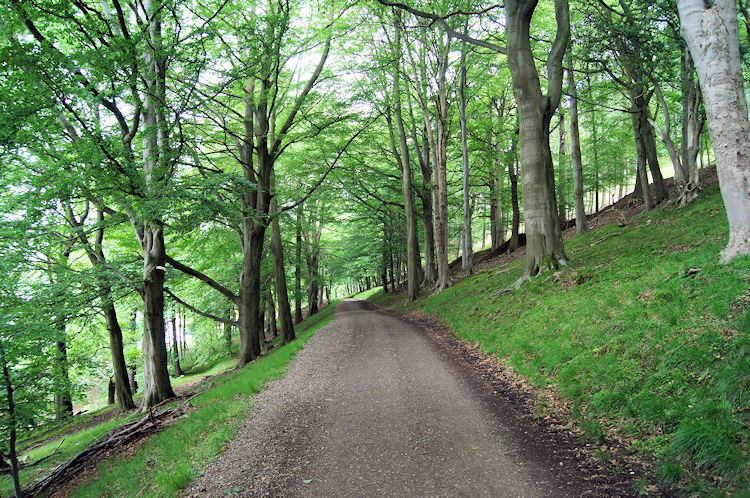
(644, 332)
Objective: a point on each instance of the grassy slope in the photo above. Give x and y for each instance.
(630, 339)
(169, 460)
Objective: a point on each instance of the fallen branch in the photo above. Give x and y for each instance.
(118, 437)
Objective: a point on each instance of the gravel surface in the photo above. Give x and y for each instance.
(371, 408)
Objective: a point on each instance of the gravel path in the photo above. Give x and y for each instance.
(371, 408)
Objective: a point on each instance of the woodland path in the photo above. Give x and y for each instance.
(372, 408)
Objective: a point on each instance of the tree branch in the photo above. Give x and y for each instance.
(203, 278)
(201, 313)
(450, 31)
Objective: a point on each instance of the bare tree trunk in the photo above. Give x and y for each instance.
(544, 244)
(563, 164)
(712, 36)
(123, 388)
(63, 400)
(156, 376)
(692, 124)
(277, 250)
(467, 250)
(575, 155)
(514, 242)
(412, 243)
(228, 334)
(440, 159)
(298, 268)
(249, 302)
(176, 351)
(640, 149)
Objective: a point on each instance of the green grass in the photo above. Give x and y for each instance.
(171, 459)
(631, 339)
(71, 437)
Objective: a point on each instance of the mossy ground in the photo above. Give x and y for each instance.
(644, 331)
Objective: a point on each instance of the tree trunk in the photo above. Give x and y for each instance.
(467, 250)
(692, 124)
(384, 266)
(228, 335)
(440, 185)
(131, 381)
(575, 155)
(712, 36)
(660, 189)
(514, 242)
(155, 166)
(412, 243)
(63, 400)
(175, 349)
(250, 330)
(640, 148)
(156, 376)
(12, 422)
(544, 244)
(272, 315)
(298, 268)
(430, 270)
(111, 391)
(312, 295)
(277, 250)
(562, 166)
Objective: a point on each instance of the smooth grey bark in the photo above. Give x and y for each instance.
(575, 153)
(467, 258)
(423, 154)
(175, 349)
(562, 166)
(150, 233)
(640, 149)
(544, 244)
(412, 244)
(692, 122)
(437, 136)
(712, 35)
(277, 251)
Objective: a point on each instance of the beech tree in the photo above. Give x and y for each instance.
(711, 32)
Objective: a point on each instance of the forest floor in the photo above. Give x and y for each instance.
(374, 407)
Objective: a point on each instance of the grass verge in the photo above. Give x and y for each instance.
(644, 332)
(171, 459)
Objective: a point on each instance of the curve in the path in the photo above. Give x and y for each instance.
(370, 408)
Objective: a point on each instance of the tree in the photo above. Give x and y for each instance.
(404, 163)
(711, 32)
(544, 245)
(575, 154)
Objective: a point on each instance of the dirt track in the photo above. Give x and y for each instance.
(372, 408)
